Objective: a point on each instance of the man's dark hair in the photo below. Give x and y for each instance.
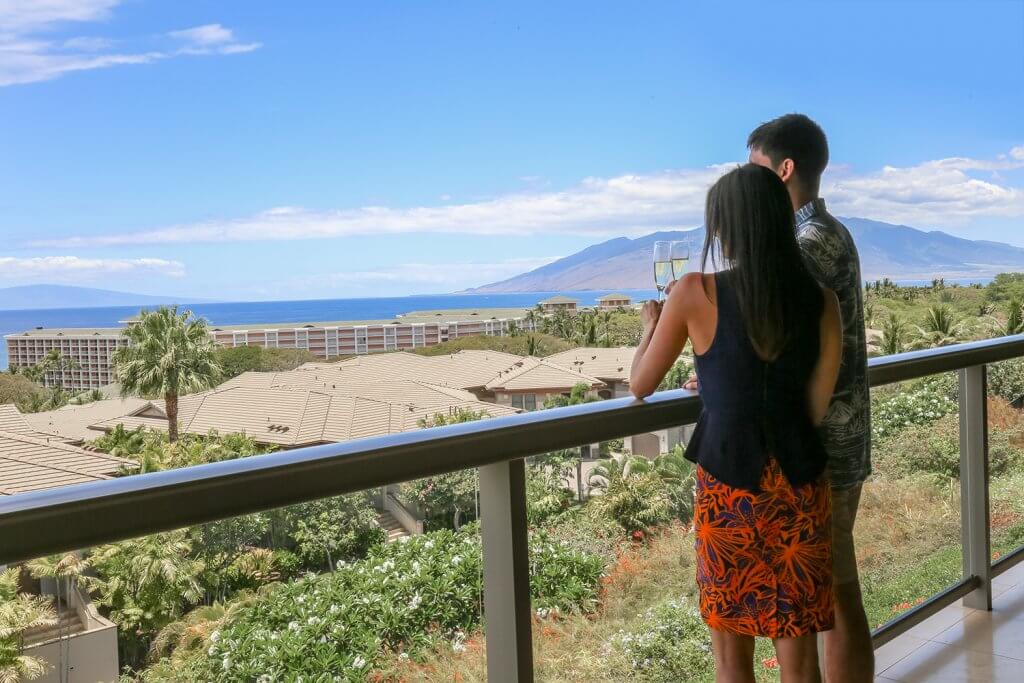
(796, 137)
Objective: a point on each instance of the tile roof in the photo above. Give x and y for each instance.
(606, 364)
(12, 420)
(29, 463)
(540, 374)
(559, 299)
(615, 297)
(292, 417)
(72, 421)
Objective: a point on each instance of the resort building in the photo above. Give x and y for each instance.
(559, 303)
(92, 349)
(611, 302)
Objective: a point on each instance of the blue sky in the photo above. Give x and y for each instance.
(268, 150)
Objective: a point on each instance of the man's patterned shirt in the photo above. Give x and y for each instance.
(832, 258)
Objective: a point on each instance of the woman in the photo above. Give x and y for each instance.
(767, 344)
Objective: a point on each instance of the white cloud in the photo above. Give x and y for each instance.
(211, 39)
(940, 193)
(437, 273)
(405, 278)
(75, 268)
(18, 16)
(26, 57)
(935, 193)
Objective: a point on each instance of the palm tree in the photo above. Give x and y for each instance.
(606, 322)
(532, 347)
(894, 334)
(1015, 318)
(941, 326)
(64, 569)
(168, 354)
(20, 612)
(192, 633)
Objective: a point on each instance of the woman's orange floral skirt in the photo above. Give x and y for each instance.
(764, 560)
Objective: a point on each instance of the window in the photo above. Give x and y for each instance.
(524, 401)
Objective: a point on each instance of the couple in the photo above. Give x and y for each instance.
(783, 443)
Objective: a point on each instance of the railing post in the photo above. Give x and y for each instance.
(974, 502)
(507, 610)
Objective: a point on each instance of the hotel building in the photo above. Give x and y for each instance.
(93, 349)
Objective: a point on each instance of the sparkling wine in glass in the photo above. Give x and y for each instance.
(662, 266)
(680, 252)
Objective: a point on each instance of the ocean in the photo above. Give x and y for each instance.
(289, 311)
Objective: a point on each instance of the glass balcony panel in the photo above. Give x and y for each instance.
(1005, 384)
(908, 523)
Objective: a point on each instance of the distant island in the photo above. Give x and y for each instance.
(886, 250)
(68, 296)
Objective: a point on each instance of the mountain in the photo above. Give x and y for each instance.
(886, 250)
(65, 296)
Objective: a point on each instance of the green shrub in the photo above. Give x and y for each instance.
(330, 529)
(920, 404)
(935, 449)
(587, 530)
(1006, 379)
(670, 643)
(932, 448)
(636, 502)
(405, 597)
(562, 579)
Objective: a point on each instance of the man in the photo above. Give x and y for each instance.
(795, 147)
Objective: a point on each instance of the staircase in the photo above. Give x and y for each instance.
(68, 624)
(391, 527)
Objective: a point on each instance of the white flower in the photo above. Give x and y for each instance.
(293, 626)
(415, 602)
(359, 662)
(215, 636)
(226, 663)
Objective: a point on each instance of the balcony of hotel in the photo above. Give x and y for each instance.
(971, 630)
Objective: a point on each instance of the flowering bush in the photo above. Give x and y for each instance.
(923, 404)
(404, 596)
(670, 643)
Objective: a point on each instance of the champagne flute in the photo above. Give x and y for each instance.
(662, 266)
(680, 252)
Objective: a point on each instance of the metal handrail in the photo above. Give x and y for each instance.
(83, 515)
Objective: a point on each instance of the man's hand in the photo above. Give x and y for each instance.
(692, 384)
(649, 314)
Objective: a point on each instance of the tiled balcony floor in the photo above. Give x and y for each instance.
(962, 644)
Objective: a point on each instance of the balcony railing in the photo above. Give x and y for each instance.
(72, 517)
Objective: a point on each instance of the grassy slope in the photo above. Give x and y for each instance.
(907, 536)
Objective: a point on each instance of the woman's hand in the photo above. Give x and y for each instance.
(649, 314)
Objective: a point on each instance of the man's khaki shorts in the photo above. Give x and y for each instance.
(844, 514)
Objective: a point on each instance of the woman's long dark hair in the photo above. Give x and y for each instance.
(750, 217)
